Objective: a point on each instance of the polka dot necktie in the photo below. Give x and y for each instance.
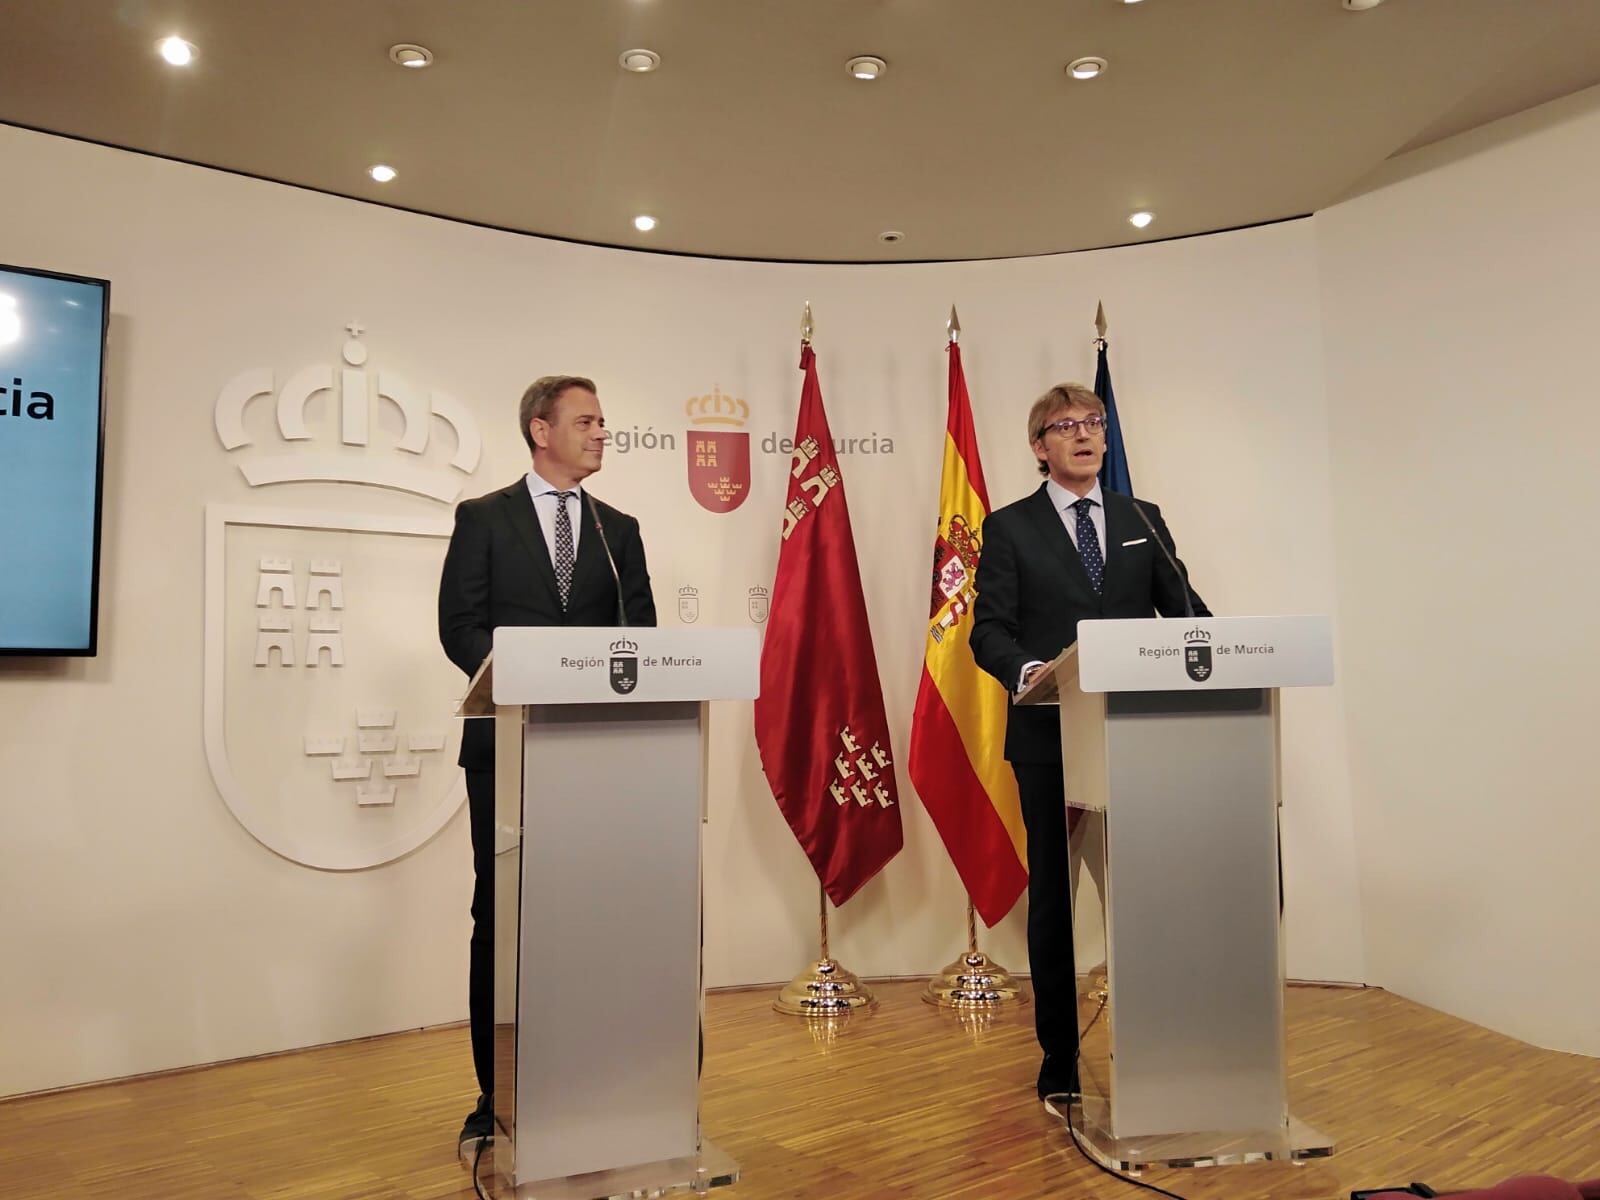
(1089, 545)
(564, 554)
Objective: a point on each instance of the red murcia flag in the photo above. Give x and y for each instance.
(820, 724)
(719, 459)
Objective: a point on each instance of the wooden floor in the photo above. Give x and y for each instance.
(903, 1102)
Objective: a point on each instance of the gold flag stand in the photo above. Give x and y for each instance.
(974, 982)
(825, 988)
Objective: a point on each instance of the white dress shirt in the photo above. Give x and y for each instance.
(544, 505)
(1064, 501)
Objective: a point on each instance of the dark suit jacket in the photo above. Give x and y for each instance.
(498, 572)
(1033, 590)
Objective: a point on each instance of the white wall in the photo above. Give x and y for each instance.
(1462, 318)
(144, 928)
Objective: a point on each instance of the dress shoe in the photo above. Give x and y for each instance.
(1057, 1076)
(479, 1123)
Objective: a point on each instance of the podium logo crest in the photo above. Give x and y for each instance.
(719, 459)
(688, 605)
(1197, 654)
(327, 715)
(760, 604)
(624, 666)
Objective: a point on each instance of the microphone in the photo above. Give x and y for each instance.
(1188, 605)
(622, 609)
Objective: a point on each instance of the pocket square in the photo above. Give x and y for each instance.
(1136, 542)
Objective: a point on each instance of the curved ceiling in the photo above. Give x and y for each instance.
(753, 141)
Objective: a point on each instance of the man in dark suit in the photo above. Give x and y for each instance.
(539, 552)
(1067, 553)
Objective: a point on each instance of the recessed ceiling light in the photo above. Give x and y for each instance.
(639, 61)
(176, 51)
(1140, 219)
(1130, 1)
(1091, 67)
(866, 66)
(409, 54)
(644, 223)
(382, 172)
(1361, 5)
(891, 236)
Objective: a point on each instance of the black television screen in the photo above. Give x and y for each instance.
(52, 448)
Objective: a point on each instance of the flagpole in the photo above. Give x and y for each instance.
(973, 983)
(822, 922)
(825, 989)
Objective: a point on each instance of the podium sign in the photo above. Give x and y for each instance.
(586, 665)
(1211, 653)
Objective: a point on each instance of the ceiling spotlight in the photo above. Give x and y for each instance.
(1091, 67)
(382, 172)
(866, 66)
(1360, 5)
(408, 54)
(176, 51)
(639, 61)
(891, 236)
(1140, 219)
(1130, 1)
(643, 223)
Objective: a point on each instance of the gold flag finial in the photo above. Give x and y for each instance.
(953, 326)
(806, 327)
(1100, 320)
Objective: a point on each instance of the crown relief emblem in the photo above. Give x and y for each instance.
(715, 408)
(402, 465)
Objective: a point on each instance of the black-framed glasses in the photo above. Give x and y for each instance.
(1066, 426)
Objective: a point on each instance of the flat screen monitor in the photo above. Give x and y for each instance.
(52, 452)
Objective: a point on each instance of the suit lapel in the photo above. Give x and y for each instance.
(519, 512)
(591, 553)
(1048, 522)
(1122, 524)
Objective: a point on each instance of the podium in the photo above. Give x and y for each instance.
(1170, 745)
(599, 799)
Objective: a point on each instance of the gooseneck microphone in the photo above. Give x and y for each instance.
(1188, 605)
(622, 609)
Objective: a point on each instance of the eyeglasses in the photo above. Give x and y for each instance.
(1067, 427)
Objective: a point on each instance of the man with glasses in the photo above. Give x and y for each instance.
(1069, 552)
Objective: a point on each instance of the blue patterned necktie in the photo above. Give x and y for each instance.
(1089, 545)
(564, 555)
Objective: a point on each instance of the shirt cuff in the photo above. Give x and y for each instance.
(1024, 674)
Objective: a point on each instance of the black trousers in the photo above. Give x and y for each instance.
(480, 970)
(1055, 976)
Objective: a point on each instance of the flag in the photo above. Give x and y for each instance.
(958, 730)
(1114, 475)
(820, 727)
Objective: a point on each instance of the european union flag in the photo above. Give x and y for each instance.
(1114, 475)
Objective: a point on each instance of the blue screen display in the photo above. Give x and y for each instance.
(52, 341)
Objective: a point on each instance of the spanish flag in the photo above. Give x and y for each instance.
(957, 761)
